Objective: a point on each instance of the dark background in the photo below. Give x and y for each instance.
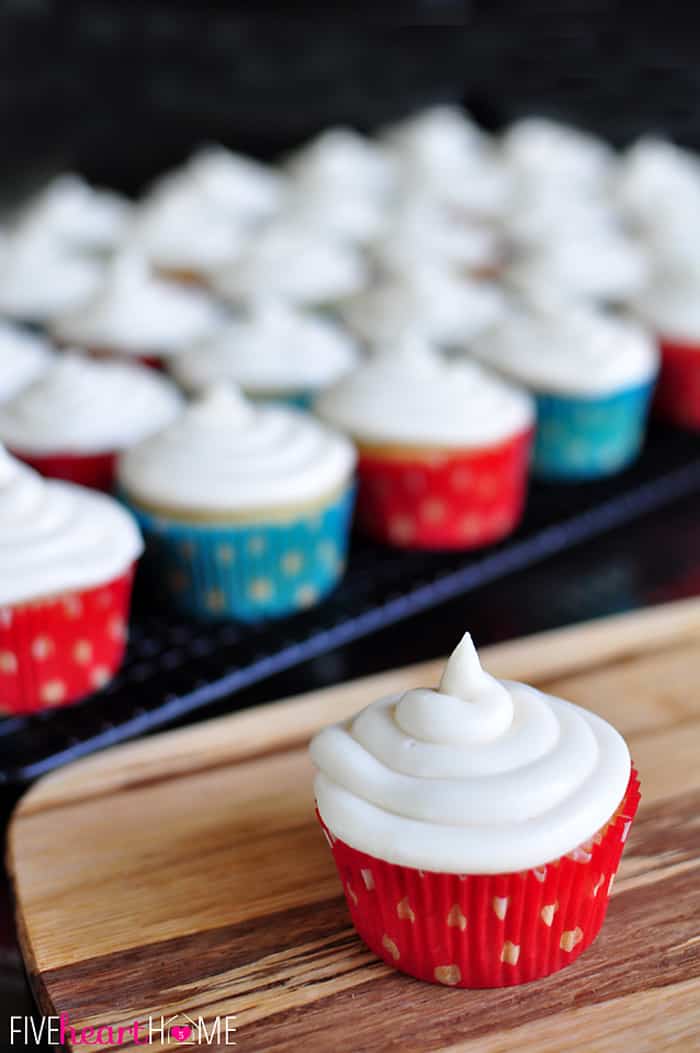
(120, 90)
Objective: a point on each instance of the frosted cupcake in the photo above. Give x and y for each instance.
(135, 314)
(477, 828)
(39, 277)
(74, 419)
(236, 186)
(274, 352)
(78, 216)
(24, 356)
(289, 261)
(443, 152)
(66, 565)
(246, 509)
(443, 447)
(592, 375)
(544, 150)
(428, 299)
(670, 305)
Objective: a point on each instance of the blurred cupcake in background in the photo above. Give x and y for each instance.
(135, 314)
(537, 149)
(24, 356)
(442, 152)
(40, 277)
(77, 216)
(339, 184)
(237, 187)
(443, 447)
(428, 299)
(288, 261)
(670, 305)
(67, 558)
(74, 419)
(246, 508)
(653, 176)
(273, 351)
(592, 375)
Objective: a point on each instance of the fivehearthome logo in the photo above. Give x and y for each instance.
(180, 1029)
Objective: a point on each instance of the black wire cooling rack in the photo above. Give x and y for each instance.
(175, 666)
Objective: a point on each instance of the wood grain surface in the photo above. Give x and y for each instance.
(185, 874)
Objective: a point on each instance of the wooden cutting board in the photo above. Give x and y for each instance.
(185, 874)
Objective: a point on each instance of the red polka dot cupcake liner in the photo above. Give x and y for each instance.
(58, 650)
(443, 499)
(677, 396)
(466, 930)
(94, 470)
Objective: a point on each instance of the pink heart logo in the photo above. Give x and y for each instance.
(181, 1032)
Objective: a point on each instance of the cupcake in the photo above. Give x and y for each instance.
(246, 509)
(441, 151)
(592, 375)
(74, 419)
(339, 185)
(39, 277)
(24, 356)
(426, 298)
(288, 261)
(66, 565)
(547, 151)
(477, 828)
(273, 352)
(135, 314)
(237, 187)
(653, 175)
(79, 217)
(670, 305)
(443, 447)
(182, 236)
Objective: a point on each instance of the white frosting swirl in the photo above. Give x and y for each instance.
(135, 312)
(226, 455)
(655, 176)
(567, 348)
(39, 277)
(670, 304)
(56, 537)
(342, 160)
(72, 211)
(538, 148)
(23, 357)
(289, 261)
(428, 299)
(481, 776)
(236, 185)
(273, 349)
(409, 394)
(85, 405)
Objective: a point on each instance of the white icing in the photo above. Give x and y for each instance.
(543, 212)
(567, 348)
(428, 299)
(538, 148)
(342, 160)
(136, 312)
(23, 357)
(409, 394)
(177, 228)
(335, 213)
(40, 277)
(273, 349)
(236, 185)
(56, 537)
(224, 454)
(72, 211)
(85, 405)
(479, 777)
(654, 177)
(670, 304)
(289, 261)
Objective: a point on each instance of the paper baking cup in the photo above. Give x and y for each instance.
(485, 930)
(302, 399)
(584, 438)
(96, 470)
(442, 499)
(55, 651)
(677, 396)
(249, 571)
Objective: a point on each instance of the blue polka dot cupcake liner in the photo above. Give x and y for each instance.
(248, 572)
(587, 438)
